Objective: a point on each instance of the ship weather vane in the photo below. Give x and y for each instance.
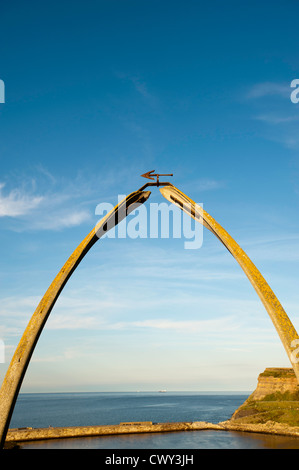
(150, 175)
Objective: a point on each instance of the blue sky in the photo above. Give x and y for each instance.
(99, 92)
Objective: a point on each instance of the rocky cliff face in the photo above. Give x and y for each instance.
(280, 387)
(274, 380)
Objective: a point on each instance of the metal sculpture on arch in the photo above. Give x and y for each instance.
(20, 361)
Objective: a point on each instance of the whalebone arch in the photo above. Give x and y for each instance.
(20, 361)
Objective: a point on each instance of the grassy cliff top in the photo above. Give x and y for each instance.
(278, 372)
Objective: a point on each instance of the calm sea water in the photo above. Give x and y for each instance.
(83, 409)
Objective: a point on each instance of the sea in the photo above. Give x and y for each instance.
(102, 408)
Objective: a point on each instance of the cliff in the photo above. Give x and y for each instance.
(275, 399)
(275, 380)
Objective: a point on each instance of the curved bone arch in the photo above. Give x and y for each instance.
(20, 361)
(280, 319)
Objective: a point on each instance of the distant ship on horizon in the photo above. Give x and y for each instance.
(162, 391)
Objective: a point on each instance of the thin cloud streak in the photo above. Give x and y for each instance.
(17, 203)
(282, 124)
(276, 119)
(55, 209)
(263, 89)
(61, 221)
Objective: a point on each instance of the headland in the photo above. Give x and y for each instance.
(272, 408)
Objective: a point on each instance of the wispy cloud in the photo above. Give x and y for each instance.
(269, 88)
(203, 184)
(284, 248)
(206, 184)
(141, 87)
(17, 202)
(190, 326)
(276, 112)
(45, 206)
(62, 220)
(276, 119)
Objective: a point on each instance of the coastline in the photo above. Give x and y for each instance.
(270, 427)
(34, 434)
(272, 409)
